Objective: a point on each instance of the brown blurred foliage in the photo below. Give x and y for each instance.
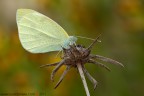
(121, 23)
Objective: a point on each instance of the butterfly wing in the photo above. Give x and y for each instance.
(38, 33)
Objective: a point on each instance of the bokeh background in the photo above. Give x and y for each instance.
(121, 23)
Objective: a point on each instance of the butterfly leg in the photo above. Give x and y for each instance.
(105, 59)
(73, 47)
(47, 65)
(62, 76)
(98, 63)
(56, 68)
(90, 77)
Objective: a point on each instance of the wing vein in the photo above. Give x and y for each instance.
(37, 36)
(37, 30)
(30, 20)
(40, 45)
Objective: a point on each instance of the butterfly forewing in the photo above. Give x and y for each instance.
(38, 33)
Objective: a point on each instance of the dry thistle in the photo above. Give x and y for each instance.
(77, 56)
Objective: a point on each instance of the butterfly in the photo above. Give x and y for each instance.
(39, 34)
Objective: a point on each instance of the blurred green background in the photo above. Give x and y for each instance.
(121, 23)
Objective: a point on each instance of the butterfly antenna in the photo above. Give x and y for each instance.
(96, 40)
(86, 38)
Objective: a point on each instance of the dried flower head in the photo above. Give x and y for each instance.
(79, 55)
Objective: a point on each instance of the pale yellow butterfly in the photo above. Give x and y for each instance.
(40, 34)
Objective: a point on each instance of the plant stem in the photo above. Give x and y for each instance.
(83, 78)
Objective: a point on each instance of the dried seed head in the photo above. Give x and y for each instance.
(76, 54)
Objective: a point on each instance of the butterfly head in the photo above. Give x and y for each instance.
(72, 40)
